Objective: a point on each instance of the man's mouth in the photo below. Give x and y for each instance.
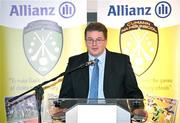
(94, 49)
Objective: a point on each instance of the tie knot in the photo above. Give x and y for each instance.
(96, 61)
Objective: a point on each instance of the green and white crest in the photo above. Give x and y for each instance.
(43, 41)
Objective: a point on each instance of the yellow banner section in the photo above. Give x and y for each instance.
(162, 77)
(17, 74)
(159, 78)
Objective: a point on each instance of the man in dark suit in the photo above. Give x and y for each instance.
(116, 76)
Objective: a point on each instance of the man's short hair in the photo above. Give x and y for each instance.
(96, 27)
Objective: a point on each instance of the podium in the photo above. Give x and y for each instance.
(97, 114)
(159, 109)
(95, 111)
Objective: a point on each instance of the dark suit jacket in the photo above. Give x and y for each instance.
(119, 78)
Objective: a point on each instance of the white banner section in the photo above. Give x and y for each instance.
(114, 13)
(17, 13)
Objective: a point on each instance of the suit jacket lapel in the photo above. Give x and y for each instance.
(107, 73)
(85, 75)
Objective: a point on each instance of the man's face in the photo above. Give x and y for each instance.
(95, 43)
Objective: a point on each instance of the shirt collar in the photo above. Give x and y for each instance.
(101, 58)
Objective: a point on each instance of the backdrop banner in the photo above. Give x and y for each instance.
(148, 32)
(37, 38)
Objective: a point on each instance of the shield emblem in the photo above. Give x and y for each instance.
(43, 41)
(140, 40)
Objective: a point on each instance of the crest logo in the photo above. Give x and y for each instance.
(43, 41)
(140, 40)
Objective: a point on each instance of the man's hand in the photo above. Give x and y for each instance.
(140, 115)
(56, 111)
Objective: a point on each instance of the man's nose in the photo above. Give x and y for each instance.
(94, 42)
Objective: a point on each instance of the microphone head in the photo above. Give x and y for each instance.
(90, 62)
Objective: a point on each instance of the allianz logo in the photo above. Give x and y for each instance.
(162, 10)
(29, 10)
(125, 10)
(65, 10)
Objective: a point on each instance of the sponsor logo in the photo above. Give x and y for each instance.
(140, 40)
(42, 41)
(162, 10)
(66, 10)
(29, 10)
(125, 10)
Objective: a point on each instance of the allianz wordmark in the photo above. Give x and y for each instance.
(162, 10)
(66, 10)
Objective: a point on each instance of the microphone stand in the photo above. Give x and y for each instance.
(39, 91)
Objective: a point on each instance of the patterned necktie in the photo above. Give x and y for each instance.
(94, 81)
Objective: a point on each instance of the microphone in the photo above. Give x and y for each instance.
(90, 63)
(86, 64)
